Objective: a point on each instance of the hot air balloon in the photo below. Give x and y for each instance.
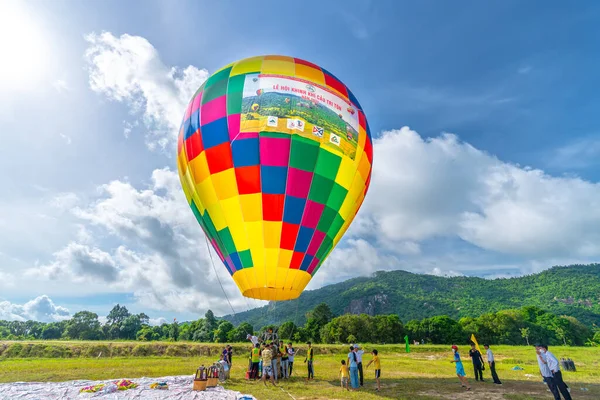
(273, 198)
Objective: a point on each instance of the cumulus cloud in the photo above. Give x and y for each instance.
(157, 321)
(41, 308)
(164, 260)
(440, 187)
(128, 69)
(79, 262)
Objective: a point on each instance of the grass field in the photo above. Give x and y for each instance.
(425, 373)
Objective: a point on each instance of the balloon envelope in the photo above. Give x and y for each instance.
(274, 157)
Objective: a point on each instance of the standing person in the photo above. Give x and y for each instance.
(553, 365)
(225, 364)
(255, 361)
(284, 360)
(477, 362)
(267, 359)
(253, 339)
(310, 358)
(460, 369)
(492, 364)
(377, 364)
(291, 352)
(344, 375)
(353, 364)
(274, 359)
(359, 355)
(546, 373)
(230, 355)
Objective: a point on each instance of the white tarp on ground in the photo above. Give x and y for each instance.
(180, 388)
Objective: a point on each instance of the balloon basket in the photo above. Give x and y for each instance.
(212, 382)
(199, 385)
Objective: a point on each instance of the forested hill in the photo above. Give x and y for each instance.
(572, 290)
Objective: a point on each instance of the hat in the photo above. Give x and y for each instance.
(356, 346)
(455, 347)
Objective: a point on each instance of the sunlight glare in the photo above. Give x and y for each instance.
(22, 47)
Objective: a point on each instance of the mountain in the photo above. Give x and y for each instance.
(572, 290)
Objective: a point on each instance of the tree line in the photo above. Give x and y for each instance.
(526, 325)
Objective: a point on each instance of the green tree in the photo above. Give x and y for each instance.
(130, 326)
(174, 331)
(317, 319)
(287, 330)
(84, 326)
(116, 316)
(52, 331)
(525, 334)
(211, 320)
(147, 333)
(222, 332)
(239, 333)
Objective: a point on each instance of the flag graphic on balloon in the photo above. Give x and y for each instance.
(274, 197)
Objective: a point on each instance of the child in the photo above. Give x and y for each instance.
(375, 361)
(225, 365)
(344, 374)
(460, 369)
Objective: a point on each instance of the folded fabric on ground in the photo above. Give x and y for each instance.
(179, 387)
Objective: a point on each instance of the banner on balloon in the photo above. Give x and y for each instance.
(274, 103)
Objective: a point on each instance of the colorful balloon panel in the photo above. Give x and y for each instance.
(275, 158)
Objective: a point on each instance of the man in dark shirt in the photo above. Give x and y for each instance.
(477, 362)
(229, 354)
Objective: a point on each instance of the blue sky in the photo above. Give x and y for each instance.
(496, 176)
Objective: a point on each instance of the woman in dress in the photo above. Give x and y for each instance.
(460, 369)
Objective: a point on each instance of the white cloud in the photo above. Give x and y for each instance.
(128, 69)
(6, 279)
(164, 261)
(440, 187)
(61, 86)
(41, 308)
(65, 201)
(79, 263)
(446, 273)
(157, 321)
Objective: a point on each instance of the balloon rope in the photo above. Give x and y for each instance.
(295, 316)
(219, 279)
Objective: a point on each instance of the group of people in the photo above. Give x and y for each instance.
(548, 364)
(272, 360)
(352, 368)
(478, 365)
(275, 360)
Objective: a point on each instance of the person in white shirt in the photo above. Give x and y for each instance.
(492, 364)
(253, 339)
(552, 365)
(291, 352)
(359, 355)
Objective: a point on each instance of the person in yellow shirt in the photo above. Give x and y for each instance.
(344, 375)
(255, 359)
(267, 358)
(377, 364)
